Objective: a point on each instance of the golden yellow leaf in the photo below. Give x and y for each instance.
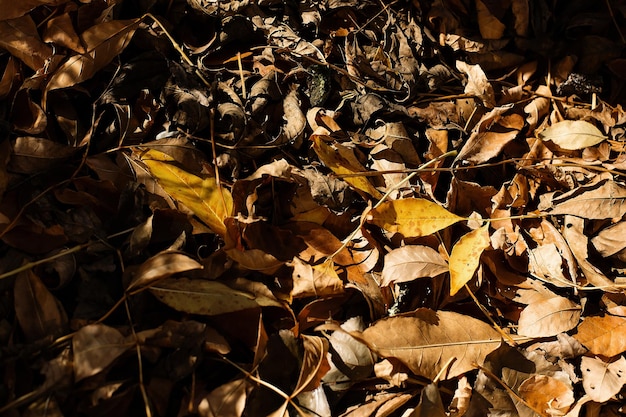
(201, 195)
(412, 217)
(341, 161)
(465, 257)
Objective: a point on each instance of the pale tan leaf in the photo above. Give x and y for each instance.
(315, 280)
(38, 312)
(426, 340)
(611, 239)
(477, 83)
(411, 262)
(602, 380)
(548, 315)
(604, 335)
(546, 263)
(465, 257)
(197, 296)
(227, 400)
(412, 217)
(606, 200)
(95, 347)
(160, 266)
(572, 134)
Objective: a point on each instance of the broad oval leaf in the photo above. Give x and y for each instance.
(95, 347)
(465, 257)
(162, 265)
(573, 134)
(411, 262)
(209, 298)
(603, 335)
(412, 217)
(211, 203)
(602, 380)
(548, 316)
(426, 340)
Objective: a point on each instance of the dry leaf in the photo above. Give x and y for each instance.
(411, 262)
(209, 298)
(548, 315)
(412, 217)
(606, 200)
(602, 380)
(465, 257)
(210, 202)
(573, 134)
(95, 347)
(160, 266)
(547, 394)
(604, 336)
(426, 340)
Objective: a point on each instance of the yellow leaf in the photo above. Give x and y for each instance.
(341, 161)
(201, 195)
(465, 257)
(412, 217)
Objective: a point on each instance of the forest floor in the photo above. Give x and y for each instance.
(314, 208)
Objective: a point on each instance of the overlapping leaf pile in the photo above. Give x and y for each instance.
(312, 208)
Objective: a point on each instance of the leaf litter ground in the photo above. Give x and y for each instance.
(312, 208)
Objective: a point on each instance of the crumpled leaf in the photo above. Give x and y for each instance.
(411, 262)
(434, 338)
(465, 257)
(208, 298)
(602, 380)
(341, 160)
(412, 217)
(210, 202)
(572, 134)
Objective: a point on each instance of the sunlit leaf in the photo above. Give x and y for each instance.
(341, 161)
(602, 380)
(412, 217)
(603, 335)
(197, 296)
(411, 262)
(425, 340)
(211, 203)
(465, 257)
(573, 134)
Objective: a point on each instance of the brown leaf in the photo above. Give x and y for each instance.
(411, 262)
(548, 315)
(103, 42)
(547, 394)
(604, 335)
(95, 347)
(606, 200)
(602, 380)
(315, 280)
(32, 155)
(160, 266)
(19, 36)
(38, 312)
(209, 298)
(60, 30)
(435, 338)
(12, 9)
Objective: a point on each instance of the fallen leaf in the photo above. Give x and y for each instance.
(572, 134)
(434, 338)
(160, 266)
(412, 217)
(203, 196)
(465, 257)
(604, 336)
(548, 315)
(95, 347)
(602, 380)
(19, 36)
(606, 200)
(411, 262)
(208, 298)
(547, 394)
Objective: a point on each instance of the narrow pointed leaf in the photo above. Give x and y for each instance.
(465, 257)
(160, 266)
(412, 217)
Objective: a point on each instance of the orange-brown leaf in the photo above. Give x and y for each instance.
(603, 335)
